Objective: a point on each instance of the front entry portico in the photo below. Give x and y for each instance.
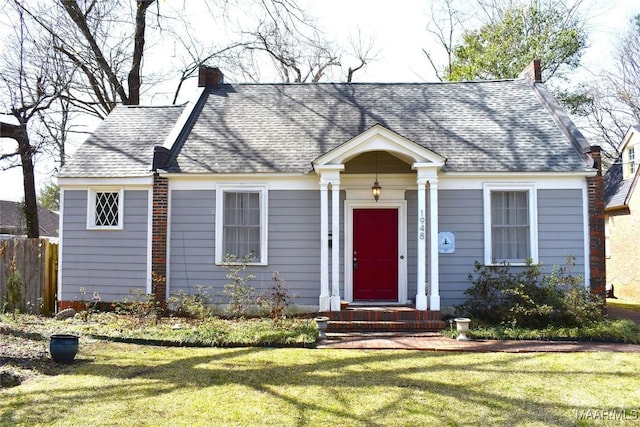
(426, 165)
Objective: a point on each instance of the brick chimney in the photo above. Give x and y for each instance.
(595, 186)
(209, 76)
(533, 72)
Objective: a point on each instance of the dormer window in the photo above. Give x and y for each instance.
(631, 162)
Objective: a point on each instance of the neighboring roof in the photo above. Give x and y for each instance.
(122, 145)
(496, 126)
(12, 219)
(617, 190)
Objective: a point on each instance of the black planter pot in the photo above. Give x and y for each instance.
(63, 347)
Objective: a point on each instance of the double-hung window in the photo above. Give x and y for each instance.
(631, 162)
(105, 206)
(241, 226)
(510, 223)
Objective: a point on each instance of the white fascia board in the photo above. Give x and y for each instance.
(446, 181)
(126, 182)
(273, 181)
(546, 181)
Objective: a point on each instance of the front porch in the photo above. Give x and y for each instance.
(374, 251)
(400, 318)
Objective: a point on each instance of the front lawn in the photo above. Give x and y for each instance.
(127, 384)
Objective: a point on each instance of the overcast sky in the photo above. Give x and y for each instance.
(399, 30)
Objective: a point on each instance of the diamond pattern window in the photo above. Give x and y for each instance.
(105, 209)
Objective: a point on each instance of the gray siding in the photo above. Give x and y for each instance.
(294, 244)
(560, 228)
(111, 262)
(461, 212)
(560, 234)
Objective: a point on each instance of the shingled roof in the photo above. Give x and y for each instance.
(617, 190)
(122, 146)
(494, 126)
(12, 220)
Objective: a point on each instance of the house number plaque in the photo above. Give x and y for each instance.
(421, 228)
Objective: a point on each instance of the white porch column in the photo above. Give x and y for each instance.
(329, 175)
(421, 296)
(335, 248)
(324, 248)
(434, 273)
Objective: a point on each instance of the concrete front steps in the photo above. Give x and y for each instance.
(383, 319)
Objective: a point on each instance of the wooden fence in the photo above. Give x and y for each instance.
(28, 275)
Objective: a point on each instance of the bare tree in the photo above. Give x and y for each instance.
(363, 50)
(615, 95)
(446, 23)
(31, 87)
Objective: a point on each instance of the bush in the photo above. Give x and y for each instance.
(195, 306)
(239, 290)
(528, 298)
(276, 298)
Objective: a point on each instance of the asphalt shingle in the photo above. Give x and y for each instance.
(478, 126)
(122, 146)
(497, 126)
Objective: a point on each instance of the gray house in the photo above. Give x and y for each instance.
(360, 192)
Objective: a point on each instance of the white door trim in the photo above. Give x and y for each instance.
(401, 206)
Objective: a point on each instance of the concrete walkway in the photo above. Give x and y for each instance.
(437, 342)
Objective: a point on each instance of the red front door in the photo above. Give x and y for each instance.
(375, 254)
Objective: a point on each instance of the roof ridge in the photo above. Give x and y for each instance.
(364, 83)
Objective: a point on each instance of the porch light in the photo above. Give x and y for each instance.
(376, 190)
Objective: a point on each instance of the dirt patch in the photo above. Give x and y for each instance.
(23, 354)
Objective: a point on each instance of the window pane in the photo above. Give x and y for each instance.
(242, 224)
(510, 225)
(107, 209)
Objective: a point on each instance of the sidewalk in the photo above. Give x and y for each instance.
(437, 342)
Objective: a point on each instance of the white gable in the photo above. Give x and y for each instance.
(379, 138)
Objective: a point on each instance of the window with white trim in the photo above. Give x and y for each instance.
(241, 226)
(105, 209)
(510, 223)
(631, 162)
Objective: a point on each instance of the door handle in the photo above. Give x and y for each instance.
(355, 263)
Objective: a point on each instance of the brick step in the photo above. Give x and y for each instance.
(384, 326)
(382, 314)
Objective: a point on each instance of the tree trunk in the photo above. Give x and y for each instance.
(19, 133)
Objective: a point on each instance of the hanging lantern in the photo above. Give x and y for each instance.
(376, 190)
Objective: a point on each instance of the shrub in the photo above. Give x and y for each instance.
(196, 306)
(143, 307)
(276, 298)
(529, 299)
(239, 290)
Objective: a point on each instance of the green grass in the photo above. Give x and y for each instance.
(626, 304)
(213, 332)
(622, 331)
(173, 331)
(126, 384)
